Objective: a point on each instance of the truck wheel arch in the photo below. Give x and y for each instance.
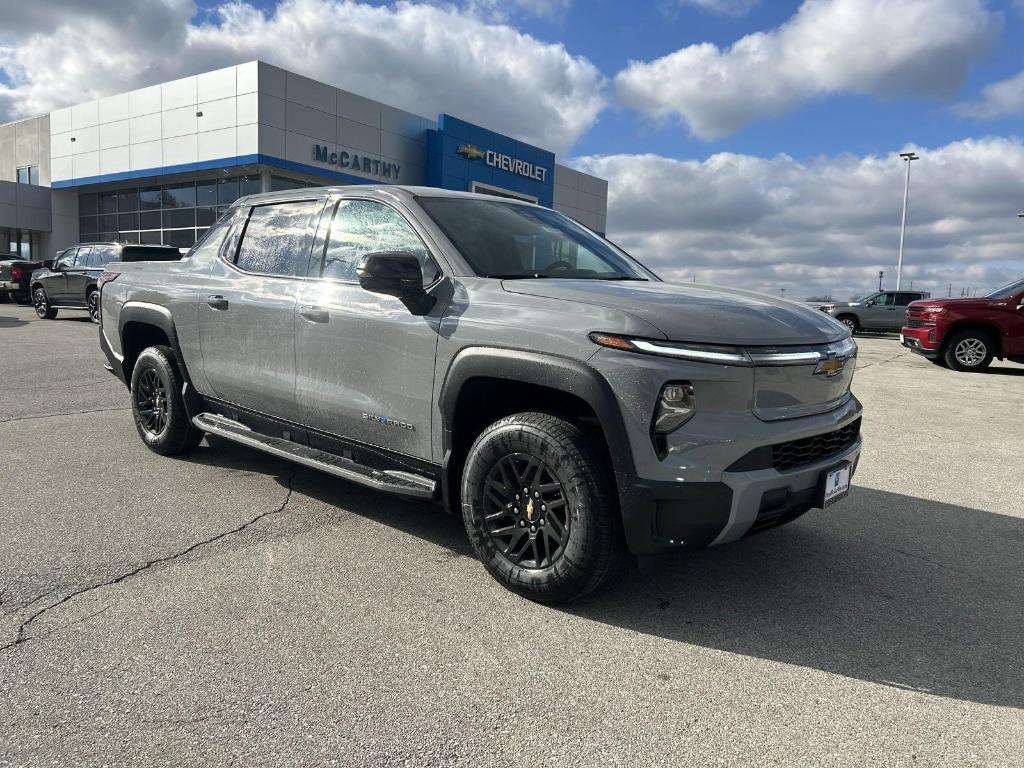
(566, 383)
(991, 331)
(142, 325)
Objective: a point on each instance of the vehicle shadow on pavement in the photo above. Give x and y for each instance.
(11, 322)
(885, 588)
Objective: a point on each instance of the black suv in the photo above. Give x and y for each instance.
(69, 281)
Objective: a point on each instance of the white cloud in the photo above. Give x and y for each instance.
(503, 10)
(824, 226)
(423, 58)
(722, 7)
(999, 99)
(880, 47)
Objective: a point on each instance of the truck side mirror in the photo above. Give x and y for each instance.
(48, 263)
(398, 274)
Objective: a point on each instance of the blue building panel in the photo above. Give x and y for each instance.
(460, 153)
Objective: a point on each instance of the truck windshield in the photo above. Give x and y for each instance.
(509, 241)
(1007, 290)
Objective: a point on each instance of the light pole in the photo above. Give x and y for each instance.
(908, 157)
(880, 276)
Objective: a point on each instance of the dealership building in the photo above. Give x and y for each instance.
(158, 165)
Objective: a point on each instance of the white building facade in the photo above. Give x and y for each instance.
(159, 164)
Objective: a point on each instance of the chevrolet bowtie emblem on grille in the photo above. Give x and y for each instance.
(831, 366)
(470, 152)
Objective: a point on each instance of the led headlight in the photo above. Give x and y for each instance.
(931, 310)
(676, 406)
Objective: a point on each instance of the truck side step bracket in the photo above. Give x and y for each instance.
(392, 481)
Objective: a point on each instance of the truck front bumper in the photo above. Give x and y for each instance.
(921, 340)
(661, 516)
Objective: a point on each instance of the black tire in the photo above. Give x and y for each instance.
(590, 547)
(851, 322)
(939, 361)
(42, 305)
(92, 301)
(159, 410)
(969, 351)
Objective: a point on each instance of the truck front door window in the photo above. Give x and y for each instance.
(360, 227)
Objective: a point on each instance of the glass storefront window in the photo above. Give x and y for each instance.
(206, 193)
(227, 191)
(249, 185)
(181, 238)
(180, 217)
(172, 214)
(149, 198)
(179, 196)
(127, 200)
(281, 183)
(108, 202)
(87, 205)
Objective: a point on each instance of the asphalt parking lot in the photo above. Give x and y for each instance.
(227, 608)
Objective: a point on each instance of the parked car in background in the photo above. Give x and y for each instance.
(15, 276)
(965, 334)
(498, 358)
(69, 281)
(881, 311)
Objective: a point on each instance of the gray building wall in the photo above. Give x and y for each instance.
(26, 142)
(582, 196)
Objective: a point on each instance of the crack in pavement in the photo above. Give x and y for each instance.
(897, 356)
(20, 637)
(53, 415)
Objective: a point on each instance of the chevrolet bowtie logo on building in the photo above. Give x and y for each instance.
(470, 152)
(831, 366)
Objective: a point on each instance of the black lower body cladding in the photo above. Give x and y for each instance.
(660, 516)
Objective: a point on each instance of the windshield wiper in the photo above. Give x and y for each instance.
(621, 277)
(517, 276)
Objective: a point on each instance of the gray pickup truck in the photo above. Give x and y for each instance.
(497, 358)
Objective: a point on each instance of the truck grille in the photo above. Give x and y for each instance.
(809, 450)
(918, 319)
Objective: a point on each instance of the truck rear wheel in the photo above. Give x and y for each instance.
(157, 405)
(969, 351)
(540, 509)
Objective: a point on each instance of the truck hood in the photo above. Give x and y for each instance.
(974, 301)
(698, 313)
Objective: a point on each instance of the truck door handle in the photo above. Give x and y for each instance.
(217, 302)
(315, 314)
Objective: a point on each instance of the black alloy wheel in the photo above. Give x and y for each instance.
(540, 507)
(42, 306)
(151, 402)
(93, 301)
(525, 511)
(158, 408)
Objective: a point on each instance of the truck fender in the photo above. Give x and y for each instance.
(554, 372)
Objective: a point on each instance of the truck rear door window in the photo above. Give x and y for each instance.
(278, 238)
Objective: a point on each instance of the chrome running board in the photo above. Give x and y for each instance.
(390, 481)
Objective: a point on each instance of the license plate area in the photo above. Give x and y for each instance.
(834, 484)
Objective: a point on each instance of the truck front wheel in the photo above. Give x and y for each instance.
(969, 351)
(540, 509)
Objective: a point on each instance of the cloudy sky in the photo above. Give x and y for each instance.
(746, 142)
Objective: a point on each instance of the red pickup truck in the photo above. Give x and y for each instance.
(965, 334)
